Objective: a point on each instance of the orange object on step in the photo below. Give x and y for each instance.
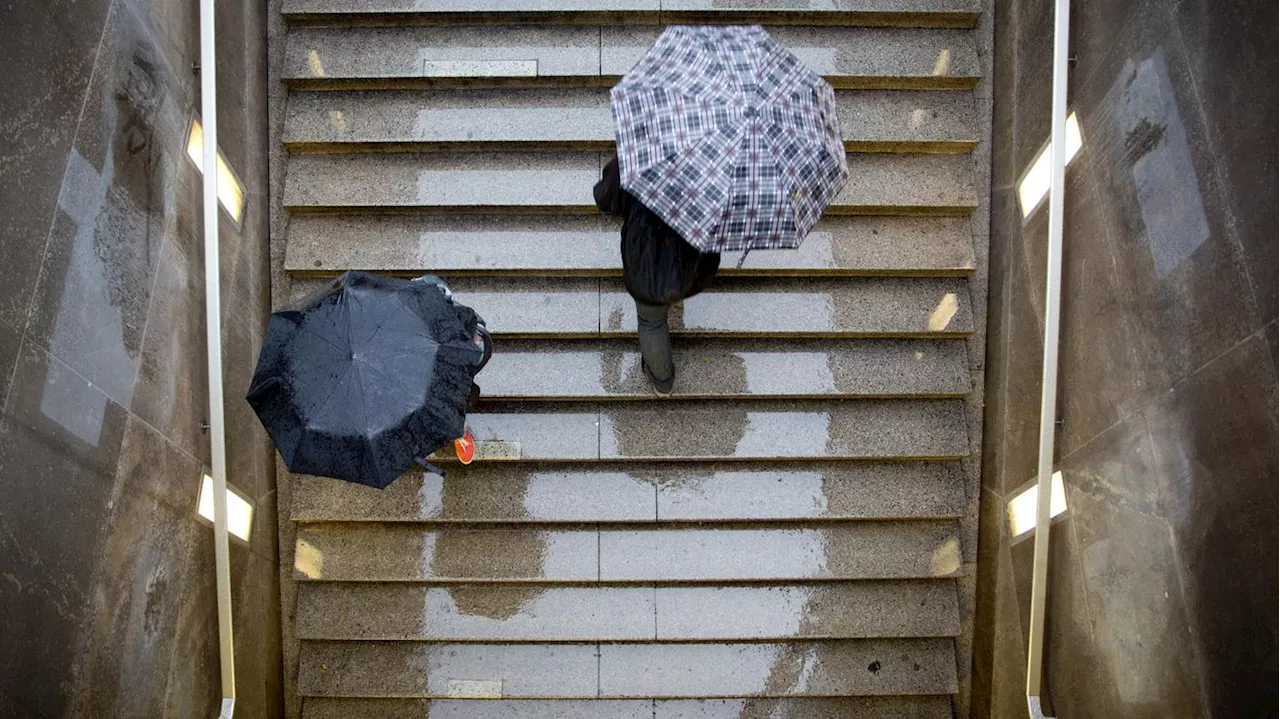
(465, 447)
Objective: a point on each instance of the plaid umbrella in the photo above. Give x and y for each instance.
(729, 138)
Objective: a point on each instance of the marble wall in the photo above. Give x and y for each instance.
(1163, 573)
(107, 603)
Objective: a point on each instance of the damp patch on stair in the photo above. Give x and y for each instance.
(308, 560)
(944, 312)
(475, 689)
(497, 449)
(480, 68)
(486, 449)
(945, 560)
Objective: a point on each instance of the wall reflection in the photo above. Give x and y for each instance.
(1159, 160)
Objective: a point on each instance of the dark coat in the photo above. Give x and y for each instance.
(643, 233)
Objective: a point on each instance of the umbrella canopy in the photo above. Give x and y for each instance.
(729, 138)
(366, 376)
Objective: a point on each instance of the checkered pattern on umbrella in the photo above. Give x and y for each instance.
(729, 138)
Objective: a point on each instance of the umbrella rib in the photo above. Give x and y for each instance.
(727, 207)
(369, 443)
(784, 173)
(307, 329)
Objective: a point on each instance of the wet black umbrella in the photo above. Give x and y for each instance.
(367, 376)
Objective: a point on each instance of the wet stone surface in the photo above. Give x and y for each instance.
(870, 550)
(568, 245)
(696, 492)
(761, 535)
(580, 118)
(722, 368)
(322, 53)
(895, 707)
(835, 668)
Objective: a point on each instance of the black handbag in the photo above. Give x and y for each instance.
(658, 265)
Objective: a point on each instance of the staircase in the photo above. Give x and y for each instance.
(791, 535)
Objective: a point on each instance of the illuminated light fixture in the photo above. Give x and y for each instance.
(230, 189)
(1035, 184)
(239, 508)
(1022, 508)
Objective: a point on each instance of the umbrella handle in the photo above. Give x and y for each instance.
(429, 467)
(743, 258)
(488, 345)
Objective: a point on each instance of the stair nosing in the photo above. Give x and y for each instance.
(816, 639)
(298, 210)
(869, 147)
(918, 19)
(956, 83)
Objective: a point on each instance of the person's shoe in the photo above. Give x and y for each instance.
(662, 389)
(465, 446)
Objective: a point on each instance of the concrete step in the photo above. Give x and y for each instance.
(890, 707)
(925, 308)
(897, 13)
(523, 493)
(580, 119)
(505, 613)
(710, 369)
(375, 552)
(715, 430)
(588, 246)
(382, 58)
(560, 183)
(575, 671)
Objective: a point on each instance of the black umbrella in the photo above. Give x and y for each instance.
(367, 376)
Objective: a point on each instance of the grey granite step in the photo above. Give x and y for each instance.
(536, 370)
(882, 707)
(505, 613)
(563, 308)
(862, 307)
(888, 707)
(579, 119)
(721, 430)
(900, 13)
(560, 183)
(633, 493)
(588, 245)
(380, 58)
(831, 668)
(849, 58)
(380, 552)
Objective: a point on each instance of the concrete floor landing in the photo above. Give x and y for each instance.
(793, 534)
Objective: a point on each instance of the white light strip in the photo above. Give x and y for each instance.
(230, 191)
(1022, 508)
(1035, 184)
(239, 509)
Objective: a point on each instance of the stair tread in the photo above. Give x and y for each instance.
(588, 245)
(721, 430)
(506, 613)
(906, 13)
(851, 307)
(580, 118)
(532, 370)
(582, 55)
(888, 707)
(866, 57)
(832, 668)
(758, 535)
(494, 492)
(376, 552)
(487, 182)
